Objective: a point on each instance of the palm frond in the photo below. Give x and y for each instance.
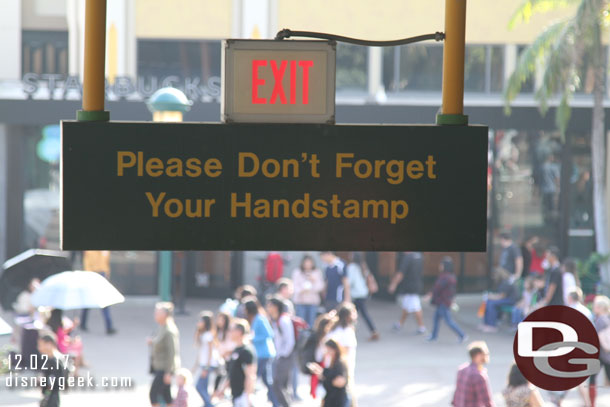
(529, 58)
(528, 8)
(559, 68)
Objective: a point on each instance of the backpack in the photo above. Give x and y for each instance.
(299, 326)
(306, 350)
(274, 267)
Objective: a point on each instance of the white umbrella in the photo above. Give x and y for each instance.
(76, 290)
(5, 328)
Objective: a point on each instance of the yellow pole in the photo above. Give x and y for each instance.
(452, 111)
(95, 62)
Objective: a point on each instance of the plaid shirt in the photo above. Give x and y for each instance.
(444, 289)
(182, 397)
(472, 388)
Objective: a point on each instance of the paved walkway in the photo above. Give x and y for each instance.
(400, 370)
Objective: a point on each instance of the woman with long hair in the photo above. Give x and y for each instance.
(225, 346)
(285, 341)
(357, 273)
(344, 333)
(208, 357)
(334, 375)
(62, 327)
(321, 328)
(519, 392)
(262, 340)
(308, 282)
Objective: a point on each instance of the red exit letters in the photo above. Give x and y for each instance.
(278, 69)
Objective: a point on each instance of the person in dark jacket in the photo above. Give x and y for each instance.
(442, 296)
(407, 283)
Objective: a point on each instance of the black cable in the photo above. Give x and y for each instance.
(287, 33)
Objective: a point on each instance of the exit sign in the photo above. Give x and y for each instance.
(272, 81)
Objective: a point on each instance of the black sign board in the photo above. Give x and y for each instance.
(200, 186)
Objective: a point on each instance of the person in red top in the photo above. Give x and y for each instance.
(472, 388)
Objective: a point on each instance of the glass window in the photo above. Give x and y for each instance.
(185, 59)
(352, 67)
(44, 52)
(496, 66)
(474, 68)
(528, 86)
(413, 67)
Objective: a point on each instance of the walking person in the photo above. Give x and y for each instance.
(308, 284)
(472, 388)
(519, 392)
(357, 272)
(208, 357)
(322, 328)
(442, 296)
(334, 375)
(285, 290)
(344, 333)
(554, 282)
(225, 346)
(407, 283)
(47, 346)
(242, 366)
(97, 261)
(262, 339)
(285, 341)
(183, 379)
(337, 284)
(165, 354)
(601, 310)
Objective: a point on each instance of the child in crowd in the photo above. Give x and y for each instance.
(183, 379)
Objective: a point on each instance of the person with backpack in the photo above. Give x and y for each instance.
(262, 340)
(357, 274)
(285, 340)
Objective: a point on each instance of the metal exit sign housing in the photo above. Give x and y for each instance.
(271, 81)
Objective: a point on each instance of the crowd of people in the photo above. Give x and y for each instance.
(529, 278)
(306, 326)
